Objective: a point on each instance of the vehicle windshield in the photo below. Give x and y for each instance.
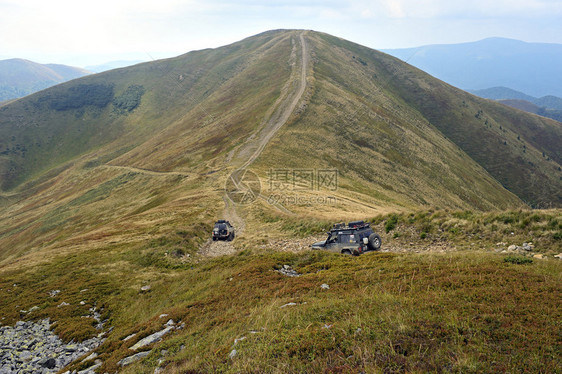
(220, 226)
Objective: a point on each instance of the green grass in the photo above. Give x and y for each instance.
(461, 228)
(459, 312)
(98, 218)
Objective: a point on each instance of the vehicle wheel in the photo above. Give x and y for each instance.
(230, 237)
(374, 242)
(214, 239)
(346, 252)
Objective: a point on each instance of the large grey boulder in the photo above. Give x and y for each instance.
(151, 338)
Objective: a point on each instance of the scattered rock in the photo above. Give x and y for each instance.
(288, 271)
(539, 256)
(151, 338)
(146, 288)
(49, 363)
(288, 304)
(62, 304)
(162, 315)
(54, 293)
(324, 286)
(525, 247)
(31, 347)
(170, 322)
(129, 360)
(239, 340)
(90, 370)
(558, 256)
(130, 336)
(33, 309)
(232, 353)
(327, 326)
(90, 357)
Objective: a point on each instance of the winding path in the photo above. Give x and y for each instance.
(284, 108)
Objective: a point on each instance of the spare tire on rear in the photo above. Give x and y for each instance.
(374, 242)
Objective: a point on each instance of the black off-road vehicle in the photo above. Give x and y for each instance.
(223, 230)
(353, 239)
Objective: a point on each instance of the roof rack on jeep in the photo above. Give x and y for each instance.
(357, 224)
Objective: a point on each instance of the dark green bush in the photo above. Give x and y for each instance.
(129, 100)
(96, 95)
(519, 260)
(391, 223)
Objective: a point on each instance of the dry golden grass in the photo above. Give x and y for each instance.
(137, 209)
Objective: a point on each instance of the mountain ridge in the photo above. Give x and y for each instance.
(547, 106)
(56, 104)
(523, 66)
(20, 77)
(182, 121)
(110, 65)
(110, 184)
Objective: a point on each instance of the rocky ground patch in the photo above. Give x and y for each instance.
(31, 347)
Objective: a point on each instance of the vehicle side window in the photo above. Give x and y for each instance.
(345, 238)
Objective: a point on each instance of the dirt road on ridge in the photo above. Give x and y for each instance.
(291, 94)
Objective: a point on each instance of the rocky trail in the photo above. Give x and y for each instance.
(220, 248)
(284, 107)
(146, 171)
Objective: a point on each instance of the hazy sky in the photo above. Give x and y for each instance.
(82, 33)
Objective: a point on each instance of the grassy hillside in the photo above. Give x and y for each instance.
(519, 150)
(20, 77)
(191, 111)
(530, 107)
(387, 154)
(413, 309)
(112, 182)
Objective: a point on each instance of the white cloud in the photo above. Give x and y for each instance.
(447, 8)
(116, 27)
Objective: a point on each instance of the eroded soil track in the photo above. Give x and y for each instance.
(292, 93)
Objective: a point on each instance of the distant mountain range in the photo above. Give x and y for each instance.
(19, 77)
(112, 65)
(532, 68)
(547, 106)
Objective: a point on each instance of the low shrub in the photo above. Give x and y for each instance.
(519, 260)
(391, 223)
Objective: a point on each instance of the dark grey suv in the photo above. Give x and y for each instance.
(353, 239)
(223, 230)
